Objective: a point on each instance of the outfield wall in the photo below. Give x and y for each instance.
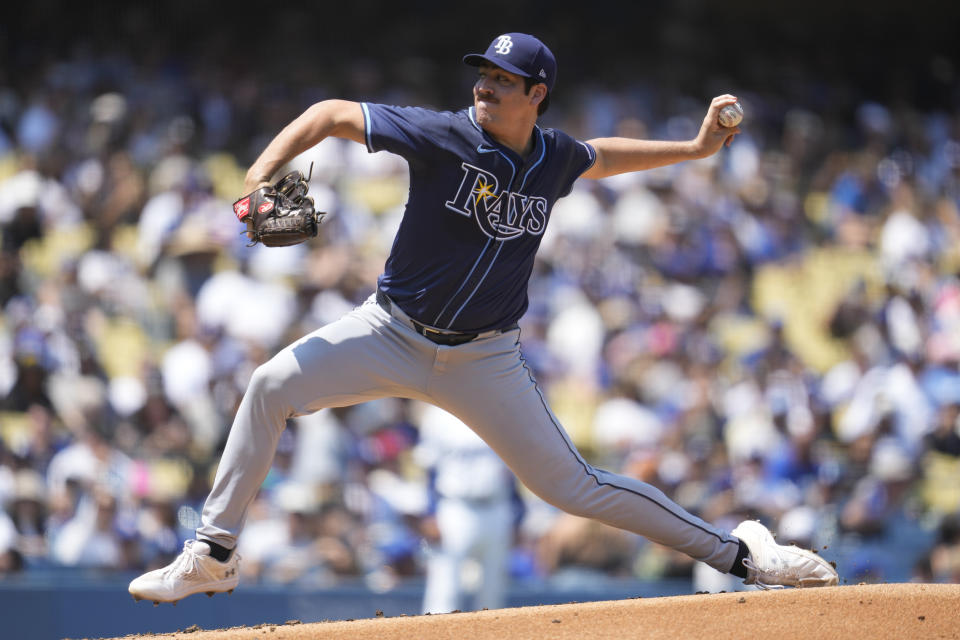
(76, 605)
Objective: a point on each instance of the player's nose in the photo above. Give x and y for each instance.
(485, 94)
(484, 87)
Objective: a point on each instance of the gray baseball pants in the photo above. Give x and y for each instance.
(374, 353)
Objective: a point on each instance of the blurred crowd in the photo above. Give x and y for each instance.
(773, 332)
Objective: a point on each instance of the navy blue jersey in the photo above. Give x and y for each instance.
(474, 217)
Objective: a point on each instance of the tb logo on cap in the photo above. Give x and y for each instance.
(504, 44)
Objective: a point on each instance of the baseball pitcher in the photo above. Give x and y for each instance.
(442, 325)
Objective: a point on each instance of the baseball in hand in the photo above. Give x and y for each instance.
(730, 115)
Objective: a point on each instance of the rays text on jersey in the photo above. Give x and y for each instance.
(503, 215)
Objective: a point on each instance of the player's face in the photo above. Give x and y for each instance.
(499, 96)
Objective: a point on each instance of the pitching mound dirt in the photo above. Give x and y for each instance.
(894, 611)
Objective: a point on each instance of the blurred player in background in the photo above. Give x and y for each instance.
(474, 515)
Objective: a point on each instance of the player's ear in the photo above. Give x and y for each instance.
(537, 94)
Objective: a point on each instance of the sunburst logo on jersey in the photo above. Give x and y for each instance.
(483, 190)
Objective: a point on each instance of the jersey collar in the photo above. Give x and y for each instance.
(538, 142)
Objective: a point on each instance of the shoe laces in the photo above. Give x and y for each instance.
(184, 563)
(749, 564)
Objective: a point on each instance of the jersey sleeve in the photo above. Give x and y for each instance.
(579, 156)
(411, 132)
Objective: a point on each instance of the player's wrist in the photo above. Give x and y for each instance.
(255, 179)
(696, 149)
(249, 186)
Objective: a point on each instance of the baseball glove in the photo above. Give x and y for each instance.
(280, 215)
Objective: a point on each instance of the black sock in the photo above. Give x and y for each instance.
(738, 569)
(217, 551)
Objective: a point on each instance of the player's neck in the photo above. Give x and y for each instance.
(520, 140)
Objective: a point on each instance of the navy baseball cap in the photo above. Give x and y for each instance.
(521, 54)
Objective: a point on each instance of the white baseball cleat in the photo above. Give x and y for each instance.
(193, 571)
(774, 566)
